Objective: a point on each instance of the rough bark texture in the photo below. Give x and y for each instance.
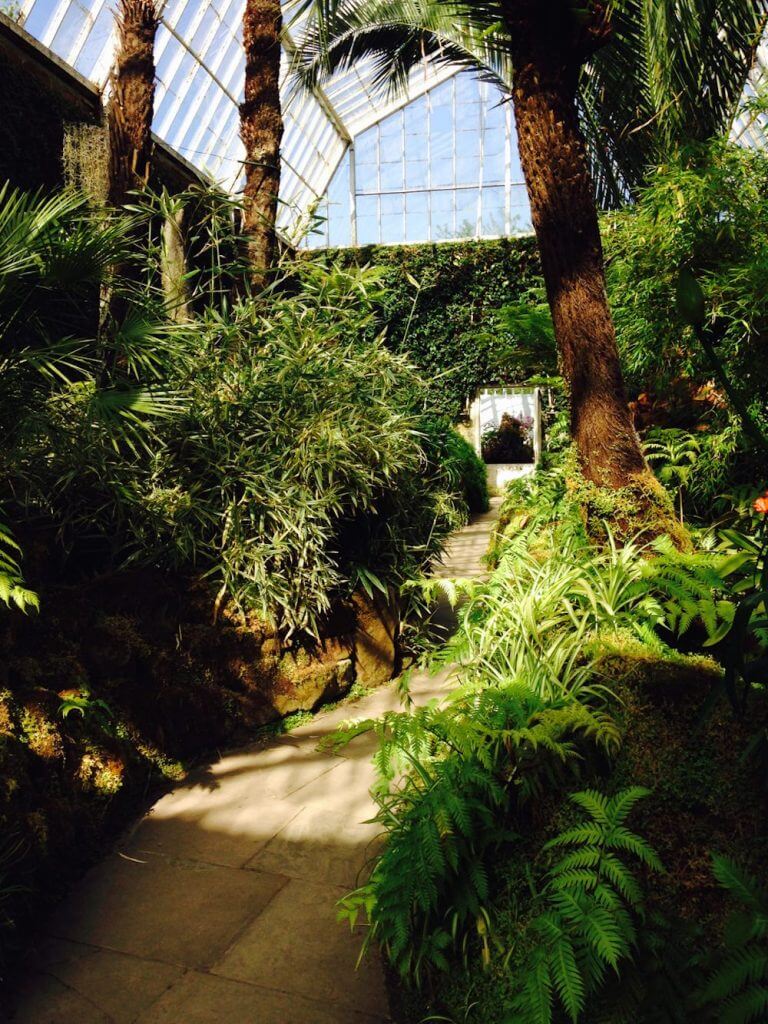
(132, 100)
(261, 129)
(549, 45)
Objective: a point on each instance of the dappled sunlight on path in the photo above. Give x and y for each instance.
(220, 906)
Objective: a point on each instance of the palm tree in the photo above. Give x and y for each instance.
(261, 129)
(673, 74)
(131, 105)
(542, 52)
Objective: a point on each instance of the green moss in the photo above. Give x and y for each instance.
(640, 511)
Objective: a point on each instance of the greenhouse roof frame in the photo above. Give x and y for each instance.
(200, 66)
(200, 72)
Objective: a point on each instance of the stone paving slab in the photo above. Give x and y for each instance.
(221, 906)
(322, 845)
(87, 984)
(306, 912)
(179, 912)
(205, 999)
(215, 833)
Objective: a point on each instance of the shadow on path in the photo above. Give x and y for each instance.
(220, 906)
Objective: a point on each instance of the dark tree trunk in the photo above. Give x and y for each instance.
(261, 129)
(131, 103)
(129, 125)
(549, 45)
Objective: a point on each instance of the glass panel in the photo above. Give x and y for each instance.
(38, 18)
(391, 176)
(416, 174)
(367, 147)
(367, 230)
(95, 42)
(493, 211)
(416, 115)
(442, 215)
(417, 217)
(466, 212)
(68, 31)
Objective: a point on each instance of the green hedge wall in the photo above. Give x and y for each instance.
(455, 325)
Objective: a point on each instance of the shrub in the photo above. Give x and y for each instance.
(456, 330)
(464, 469)
(296, 464)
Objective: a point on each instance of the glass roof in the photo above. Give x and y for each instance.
(200, 70)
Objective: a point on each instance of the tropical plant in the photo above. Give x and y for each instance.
(459, 461)
(12, 589)
(539, 50)
(736, 991)
(131, 103)
(673, 74)
(448, 778)
(701, 210)
(676, 452)
(584, 919)
(261, 129)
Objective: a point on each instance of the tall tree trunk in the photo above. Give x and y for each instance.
(129, 126)
(549, 45)
(174, 267)
(131, 103)
(261, 129)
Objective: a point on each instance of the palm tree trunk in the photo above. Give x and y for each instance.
(129, 125)
(131, 104)
(549, 46)
(261, 129)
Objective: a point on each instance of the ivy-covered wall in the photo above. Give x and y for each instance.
(456, 325)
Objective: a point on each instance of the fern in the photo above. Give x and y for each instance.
(585, 921)
(12, 589)
(736, 991)
(447, 776)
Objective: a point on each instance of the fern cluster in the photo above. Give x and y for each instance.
(736, 991)
(584, 924)
(449, 777)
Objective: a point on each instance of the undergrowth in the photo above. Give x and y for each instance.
(489, 899)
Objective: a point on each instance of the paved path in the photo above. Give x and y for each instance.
(220, 906)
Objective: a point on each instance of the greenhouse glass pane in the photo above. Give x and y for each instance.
(466, 212)
(417, 217)
(466, 170)
(95, 41)
(416, 174)
(391, 177)
(39, 16)
(493, 211)
(367, 230)
(494, 168)
(367, 147)
(416, 117)
(392, 229)
(441, 219)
